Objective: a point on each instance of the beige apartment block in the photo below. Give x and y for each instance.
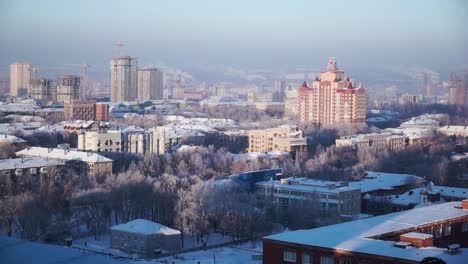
(283, 138)
(20, 76)
(110, 141)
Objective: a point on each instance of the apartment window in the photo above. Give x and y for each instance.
(464, 226)
(289, 256)
(447, 230)
(346, 260)
(326, 260)
(306, 259)
(437, 231)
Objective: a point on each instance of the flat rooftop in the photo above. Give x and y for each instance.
(356, 235)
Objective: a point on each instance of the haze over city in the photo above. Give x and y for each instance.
(246, 34)
(234, 132)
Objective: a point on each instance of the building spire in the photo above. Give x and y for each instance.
(332, 65)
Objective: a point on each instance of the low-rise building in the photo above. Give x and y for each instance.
(148, 141)
(110, 141)
(459, 131)
(83, 126)
(432, 234)
(144, 237)
(101, 112)
(392, 138)
(79, 110)
(283, 138)
(334, 197)
(14, 141)
(77, 161)
(15, 173)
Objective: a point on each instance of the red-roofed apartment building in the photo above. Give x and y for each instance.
(331, 99)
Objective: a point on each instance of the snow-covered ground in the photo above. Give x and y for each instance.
(102, 245)
(16, 251)
(227, 255)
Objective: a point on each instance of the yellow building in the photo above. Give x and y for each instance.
(283, 138)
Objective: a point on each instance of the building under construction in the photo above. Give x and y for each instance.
(123, 79)
(68, 88)
(42, 90)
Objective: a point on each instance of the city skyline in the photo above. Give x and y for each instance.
(209, 34)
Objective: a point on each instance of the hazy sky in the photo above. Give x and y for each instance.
(240, 33)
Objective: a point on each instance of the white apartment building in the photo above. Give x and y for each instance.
(150, 84)
(333, 196)
(110, 141)
(20, 76)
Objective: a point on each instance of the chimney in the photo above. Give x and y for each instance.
(465, 204)
(418, 240)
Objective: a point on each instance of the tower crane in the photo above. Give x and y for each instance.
(36, 69)
(84, 68)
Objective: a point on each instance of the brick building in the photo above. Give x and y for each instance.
(333, 98)
(432, 234)
(101, 112)
(79, 110)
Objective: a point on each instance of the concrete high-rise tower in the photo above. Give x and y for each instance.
(20, 76)
(68, 88)
(458, 89)
(150, 84)
(124, 79)
(279, 89)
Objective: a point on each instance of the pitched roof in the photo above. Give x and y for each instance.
(356, 235)
(145, 227)
(62, 154)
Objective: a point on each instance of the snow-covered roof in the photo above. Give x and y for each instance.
(62, 154)
(146, 227)
(78, 123)
(417, 235)
(454, 130)
(30, 162)
(188, 148)
(11, 139)
(427, 120)
(411, 132)
(356, 235)
(24, 118)
(384, 181)
(308, 185)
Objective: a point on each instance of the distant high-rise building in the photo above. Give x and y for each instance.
(20, 76)
(68, 88)
(42, 90)
(331, 99)
(290, 101)
(178, 90)
(150, 84)
(124, 79)
(458, 89)
(279, 90)
(251, 97)
(426, 82)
